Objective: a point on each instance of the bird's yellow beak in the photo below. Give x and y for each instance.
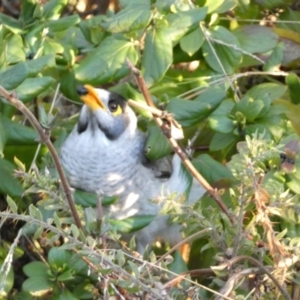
(90, 97)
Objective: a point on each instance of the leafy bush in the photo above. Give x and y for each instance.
(227, 71)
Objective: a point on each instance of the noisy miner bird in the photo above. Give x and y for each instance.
(104, 154)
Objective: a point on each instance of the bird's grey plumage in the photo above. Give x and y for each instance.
(104, 154)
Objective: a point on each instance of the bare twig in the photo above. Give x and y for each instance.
(45, 138)
(261, 267)
(94, 252)
(213, 192)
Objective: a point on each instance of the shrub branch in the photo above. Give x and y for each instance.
(178, 150)
(45, 138)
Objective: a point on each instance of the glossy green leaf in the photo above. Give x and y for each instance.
(62, 23)
(50, 10)
(107, 62)
(134, 16)
(51, 46)
(37, 65)
(14, 49)
(32, 87)
(27, 10)
(221, 141)
(182, 22)
(14, 76)
(220, 6)
(157, 145)
(87, 199)
(227, 57)
(275, 60)
(83, 290)
(68, 85)
(35, 268)
(8, 184)
(256, 38)
(18, 134)
(37, 283)
(192, 42)
(189, 113)
(11, 23)
(59, 258)
(211, 169)
(269, 89)
(131, 224)
(65, 276)
(293, 82)
(157, 56)
(249, 107)
(220, 119)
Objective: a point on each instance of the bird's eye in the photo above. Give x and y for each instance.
(114, 107)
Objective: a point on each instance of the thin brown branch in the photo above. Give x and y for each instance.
(45, 138)
(264, 269)
(178, 150)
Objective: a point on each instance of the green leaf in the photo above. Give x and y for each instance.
(14, 76)
(249, 35)
(220, 6)
(14, 49)
(221, 141)
(292, 80)
(32, 87)
(50, 10)
(272, 90)
(157, 56)
(182, 22)
(249, 107)
(18, 134)
(134, 16)
(178, 265)
(62, 23)
(58, 258)
(12, 24)
(12, 205)
(275, 60)
(35, 213)
(6, 281)
(107, 62)
(227, 58)
(219, 120)
(37, 65)
(8, 184)
(65, 294)
(189, 113)
(37, 283)
(132, 224)
(157, 145)
(211, 169)
(36, 269)
(65, 276)
(87, 199)
(27, 10)
(192, 42)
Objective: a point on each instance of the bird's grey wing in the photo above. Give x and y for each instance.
(162, 168)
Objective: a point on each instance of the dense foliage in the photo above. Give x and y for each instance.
(227, 71)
